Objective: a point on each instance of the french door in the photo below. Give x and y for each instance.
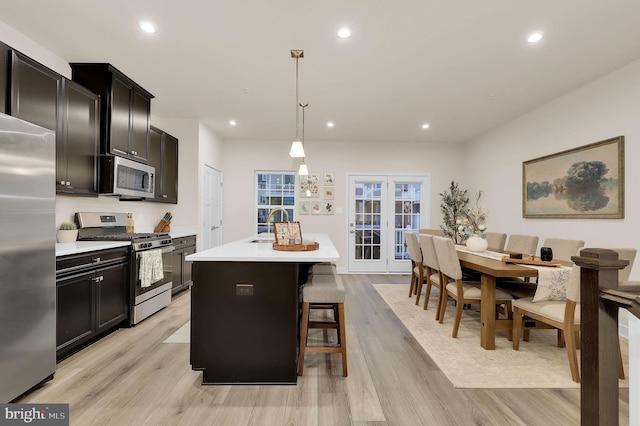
(381, 210)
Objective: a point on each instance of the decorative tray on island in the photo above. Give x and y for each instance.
(296, 247)
(531, 260)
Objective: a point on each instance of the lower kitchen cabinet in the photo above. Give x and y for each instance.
(92, 299)
(181, 269)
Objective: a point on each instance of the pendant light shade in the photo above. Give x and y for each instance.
(303, 171)
(297, 149)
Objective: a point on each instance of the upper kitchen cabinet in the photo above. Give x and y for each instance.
(35, 91)
(163, 155)
(77, 141)
(5, 51)
(125, 108)
(45, 98)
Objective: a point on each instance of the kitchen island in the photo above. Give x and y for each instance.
(245, 309)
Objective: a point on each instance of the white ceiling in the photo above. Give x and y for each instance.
(462, 66)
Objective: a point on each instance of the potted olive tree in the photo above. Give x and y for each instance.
(67, 233)
(454, 207)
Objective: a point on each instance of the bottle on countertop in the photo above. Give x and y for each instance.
(130, 223)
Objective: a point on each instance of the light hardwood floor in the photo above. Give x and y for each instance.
(131, 378)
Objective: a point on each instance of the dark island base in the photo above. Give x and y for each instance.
(244, 321)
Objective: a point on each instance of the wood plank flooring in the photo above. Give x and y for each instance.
(131, 378)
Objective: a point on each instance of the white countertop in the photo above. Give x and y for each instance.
(64, 249)
(247, 251)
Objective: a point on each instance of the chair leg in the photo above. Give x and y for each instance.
(413, 279)
(439, 305)
(419, 289)
(509, 314)
(456, 323)
(569, 338)
(444, 297)
(303, 336)
(427, 294)
(342, 338)
(517, 326)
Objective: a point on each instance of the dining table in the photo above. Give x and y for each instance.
(491, 268)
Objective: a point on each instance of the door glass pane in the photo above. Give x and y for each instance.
(407, 215)
(367, 220)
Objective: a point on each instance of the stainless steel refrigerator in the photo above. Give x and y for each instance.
(27, 257)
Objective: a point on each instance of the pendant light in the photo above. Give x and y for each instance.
(303, 171)
(297, 150)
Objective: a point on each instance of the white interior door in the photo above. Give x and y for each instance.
(212, 208)
(381, 210)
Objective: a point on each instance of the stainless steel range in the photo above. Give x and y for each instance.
(146, 296)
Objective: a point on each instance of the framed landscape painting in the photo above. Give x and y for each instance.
(585, 182)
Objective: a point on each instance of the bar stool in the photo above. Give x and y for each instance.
(324, 291)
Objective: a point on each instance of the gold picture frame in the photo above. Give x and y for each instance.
(585, 182)
(287, 233)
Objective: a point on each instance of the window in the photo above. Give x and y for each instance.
(274, 190)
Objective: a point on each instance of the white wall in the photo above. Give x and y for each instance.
(242, 159)
(605, 108)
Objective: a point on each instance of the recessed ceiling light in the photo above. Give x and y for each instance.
(344, 32)
(232, 122)
(534, 37)
(330, 124)
(147, 27)
(425, 126)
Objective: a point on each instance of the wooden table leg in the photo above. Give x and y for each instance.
(488, 312)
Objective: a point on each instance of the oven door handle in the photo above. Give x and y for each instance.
(166, 249)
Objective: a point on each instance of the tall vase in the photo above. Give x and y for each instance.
(477, 244)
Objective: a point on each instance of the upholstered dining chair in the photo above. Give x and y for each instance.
(496, 240)
(525, 244)
(563, 249)
(433, 277)
(563, 315)
(432, 231)
(417, 269)
(463, 292)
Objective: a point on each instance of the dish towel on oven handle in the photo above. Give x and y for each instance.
(151, 268)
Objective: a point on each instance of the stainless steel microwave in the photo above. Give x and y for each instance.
(122, 177)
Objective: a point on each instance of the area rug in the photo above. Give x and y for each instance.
(538, 364)
(181, 335)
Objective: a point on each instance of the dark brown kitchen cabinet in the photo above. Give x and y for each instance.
(163, 156)
(77, 141)
(92, 299)
(5, 51)
(45, 98)
(125, 108)
(181, 268)
(35, 91)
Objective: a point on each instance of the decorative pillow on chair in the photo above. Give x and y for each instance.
(552, 283)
